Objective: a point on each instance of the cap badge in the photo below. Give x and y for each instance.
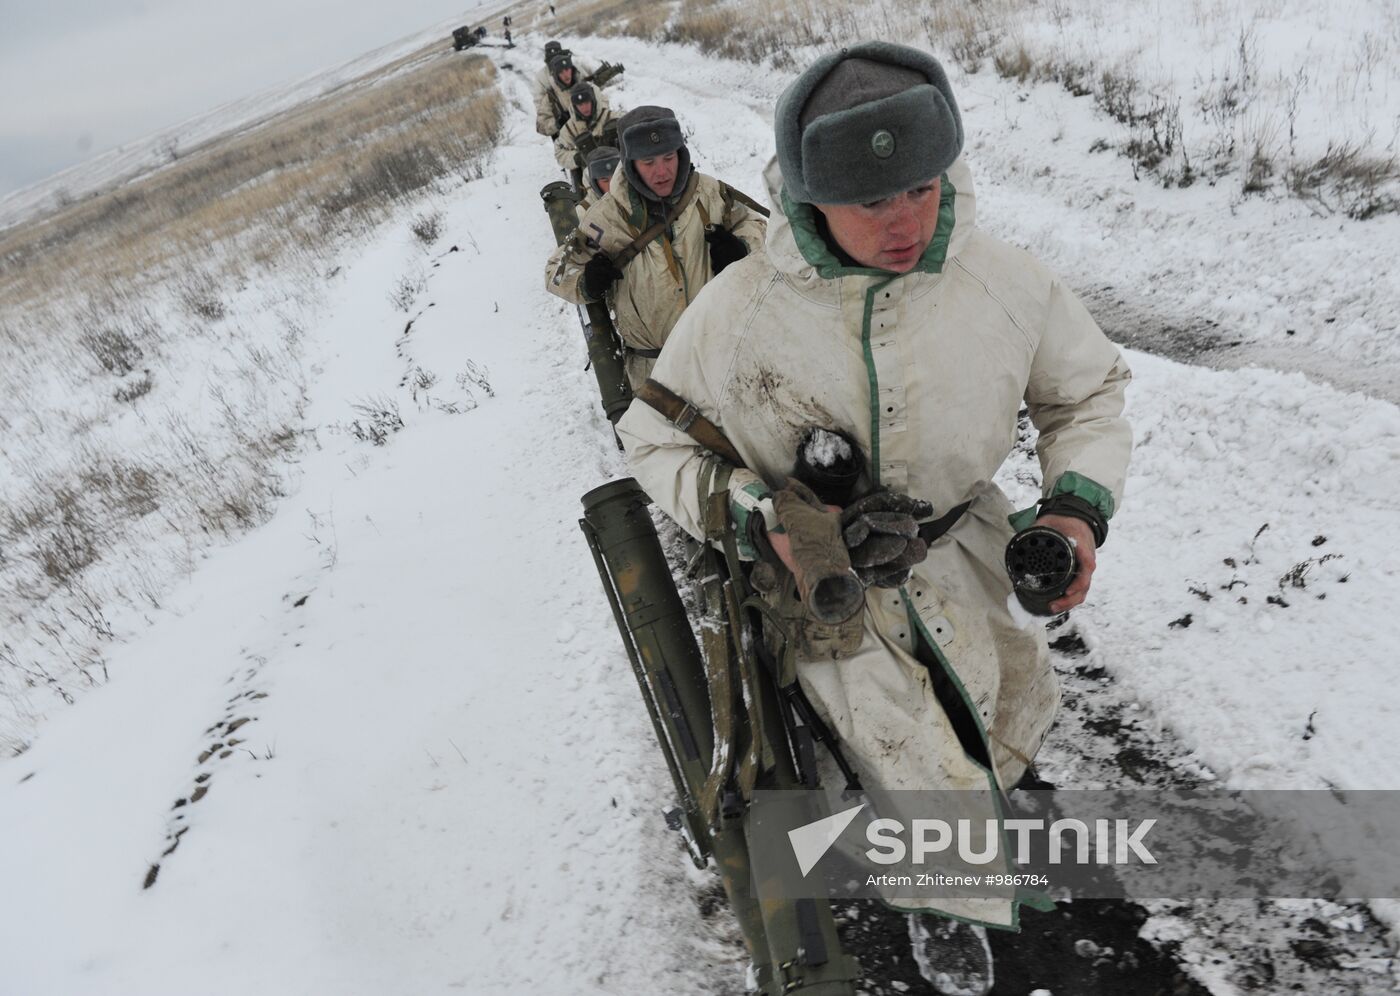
(882, 144)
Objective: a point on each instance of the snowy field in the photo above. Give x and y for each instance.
(388, 742)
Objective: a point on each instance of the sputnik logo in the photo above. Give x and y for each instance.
(811, 841)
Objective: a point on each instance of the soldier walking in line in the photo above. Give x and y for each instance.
(880, 312)
(591, 124)
(658, 237)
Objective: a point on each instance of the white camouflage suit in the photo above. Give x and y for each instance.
(666, 276)
(927, 371)
(566, 145)
(552, 100)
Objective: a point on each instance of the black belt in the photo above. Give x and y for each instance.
(930, 531)
(650, 354)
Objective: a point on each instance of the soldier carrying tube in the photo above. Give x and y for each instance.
(552, 85)
(880, 313)
(663, 231)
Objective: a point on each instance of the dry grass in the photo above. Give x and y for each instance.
(334, 163)
(150, 392)
(1015, 62)
(609, 18)
(967, 32)
(786, 24)
(1348, 178)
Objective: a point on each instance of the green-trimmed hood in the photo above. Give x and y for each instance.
(798, 251)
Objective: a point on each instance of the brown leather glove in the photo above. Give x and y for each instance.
(821, 564)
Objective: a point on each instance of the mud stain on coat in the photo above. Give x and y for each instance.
(769, 388)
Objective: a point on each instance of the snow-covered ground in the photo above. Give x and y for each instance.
(391, 736)
(443, 783)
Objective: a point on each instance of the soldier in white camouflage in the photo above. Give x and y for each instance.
(591, 124)
(662, 232)
(880, 311)
(598, 169)
(552, 86)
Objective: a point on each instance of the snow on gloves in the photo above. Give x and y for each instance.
(827, 585)
(881, 531)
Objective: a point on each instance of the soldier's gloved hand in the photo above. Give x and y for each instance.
(599, 274)
(816, 555)
(725, 247)
(881, 531)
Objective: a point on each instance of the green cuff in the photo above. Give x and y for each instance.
(752, 499)
(1073, 483)
(1070, 483)
(1025, 518)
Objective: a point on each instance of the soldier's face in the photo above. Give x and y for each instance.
(566, 76)
(604, 183)
(891, 234)
(659, 173)
(585, 108)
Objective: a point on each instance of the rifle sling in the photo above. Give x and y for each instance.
(687, 418)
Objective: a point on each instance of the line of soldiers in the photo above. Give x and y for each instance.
(652, 230)
(871, 309)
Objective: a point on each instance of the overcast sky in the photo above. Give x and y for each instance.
(78, 77)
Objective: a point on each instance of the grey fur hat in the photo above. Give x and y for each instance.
(583, 91)
(601, 156)
(599, 164)
(865, 123)
(648, 131)
(560, 62)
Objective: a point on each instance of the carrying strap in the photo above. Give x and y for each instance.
(554, 100)
(731, 195)
(687, 418)
(593, 133)
(743, 761)
(719, 662)
(803, 725)
(630, 251)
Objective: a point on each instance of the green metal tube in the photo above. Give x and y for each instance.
(605, 354)
(653, 625)
(653, 710)
(560, 202)
(794, 945)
